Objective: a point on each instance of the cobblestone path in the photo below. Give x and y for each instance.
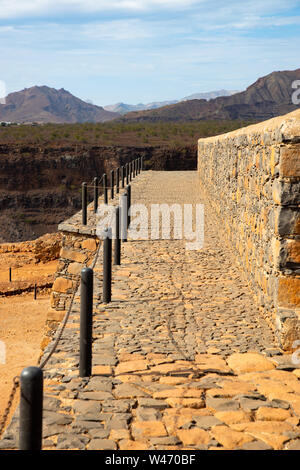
(182, 357)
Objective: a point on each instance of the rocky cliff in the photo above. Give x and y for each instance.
(40, 187)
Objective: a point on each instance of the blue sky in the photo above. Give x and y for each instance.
(135, 51)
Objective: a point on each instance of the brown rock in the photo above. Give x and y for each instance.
(211, 362)
(193, 437)
(102, 370)
(276, 441)
(142, 429)
(89, 244)
(55, 315)
(73, 255)
(173, 380)
(131, 366)
(249, 362)
(166, 368)
(272, 414)
(269, 427)
(179, 392)
(128, 390)
(229, 438)
(128, 444)
(118, 434)
(75, 268)
(233, 417)
(231, 389)
(102, 444)
(186, 402)
(62, 285)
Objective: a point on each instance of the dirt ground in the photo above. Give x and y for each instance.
(22, 322)
(28, 272)
(22, 319)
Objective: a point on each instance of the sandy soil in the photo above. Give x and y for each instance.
(22, 319)
(27, 272)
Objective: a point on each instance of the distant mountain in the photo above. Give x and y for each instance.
(123, 108)
(210, 95)
(268, 97)
(43, 104)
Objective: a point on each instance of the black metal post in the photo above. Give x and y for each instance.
(9, 275)
(105, 188)
(128, 190)
(122, 176)
(124, 220)
(86, 322)
(127, 173)
(107, 255)
(112, 184)
(130, 171)
(117, 250)
(84, 203)
(117, 180)
(96, 194)
(142, 163)
(34, 291)
(138, 165)
(31, 409)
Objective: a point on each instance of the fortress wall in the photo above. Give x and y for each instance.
(251, 181)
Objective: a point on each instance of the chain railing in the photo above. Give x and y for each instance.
(129, 171)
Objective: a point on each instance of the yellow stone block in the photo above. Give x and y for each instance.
(289, 292)
(89, 244)
(62, 285)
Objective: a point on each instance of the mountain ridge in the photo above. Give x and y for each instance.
(267, 97)
(43, 104)
(124, 108)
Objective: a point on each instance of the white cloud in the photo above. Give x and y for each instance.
(147, 56)
(25, 8)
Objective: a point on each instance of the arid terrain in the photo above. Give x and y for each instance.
(22, 317)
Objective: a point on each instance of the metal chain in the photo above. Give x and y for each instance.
(16, 379)
(41, 365)
(16, 383)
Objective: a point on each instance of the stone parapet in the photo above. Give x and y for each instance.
(251, 180)
(79, 246)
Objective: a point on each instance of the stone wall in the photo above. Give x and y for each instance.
(79, 246)
(78, 251)
(250, 179)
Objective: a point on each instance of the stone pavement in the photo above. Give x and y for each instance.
(182, 358)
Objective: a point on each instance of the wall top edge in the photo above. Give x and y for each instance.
(283, 129)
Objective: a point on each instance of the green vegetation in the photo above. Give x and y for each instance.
(117, 133)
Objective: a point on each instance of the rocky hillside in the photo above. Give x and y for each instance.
(43, 104)
(268, 97)
(41, 186)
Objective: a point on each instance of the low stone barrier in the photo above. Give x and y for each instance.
(79, 245)
(250, 179)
